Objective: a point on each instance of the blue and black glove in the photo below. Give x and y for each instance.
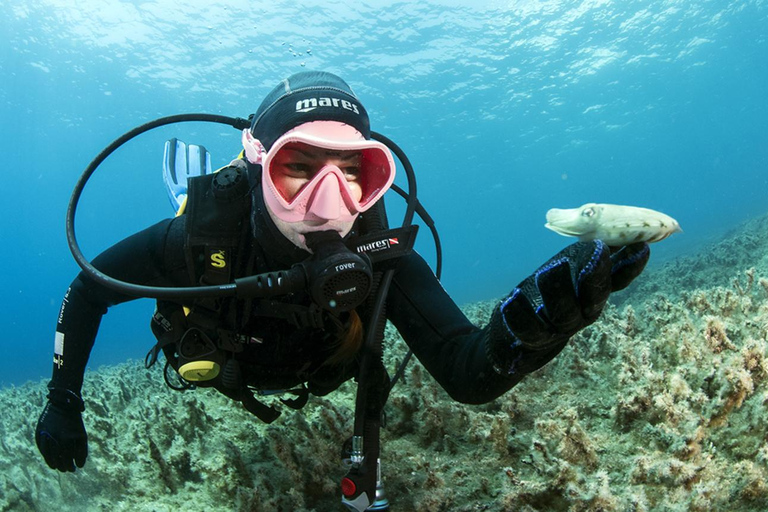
(60, 434)
(566, 294)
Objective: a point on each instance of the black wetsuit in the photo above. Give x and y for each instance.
(453, 350)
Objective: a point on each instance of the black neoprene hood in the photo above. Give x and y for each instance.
(305, 97)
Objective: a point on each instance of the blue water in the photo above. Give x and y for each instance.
(506, 109)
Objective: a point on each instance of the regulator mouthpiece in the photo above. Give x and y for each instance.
(339, 280)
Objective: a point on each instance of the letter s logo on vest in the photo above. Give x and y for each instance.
(218, 259)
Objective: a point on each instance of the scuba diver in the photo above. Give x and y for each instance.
(294, 235)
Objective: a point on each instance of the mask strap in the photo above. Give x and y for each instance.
(254, 149)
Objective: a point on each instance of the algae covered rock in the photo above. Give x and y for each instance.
(660, 405)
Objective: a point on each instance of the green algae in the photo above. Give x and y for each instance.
(660, 405)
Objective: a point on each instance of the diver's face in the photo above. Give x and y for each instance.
(294, 168)
(296, 165)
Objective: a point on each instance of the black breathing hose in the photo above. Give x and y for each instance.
(270, 284)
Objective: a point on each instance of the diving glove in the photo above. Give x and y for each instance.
(60, 434)
(562, 297)
(626, 264)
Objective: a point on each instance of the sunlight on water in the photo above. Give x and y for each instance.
(520, 106)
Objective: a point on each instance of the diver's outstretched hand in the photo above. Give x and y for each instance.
(562, 297)
(569, 291)
(60, 434)
(627, 263)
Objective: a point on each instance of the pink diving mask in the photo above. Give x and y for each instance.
(329, 194)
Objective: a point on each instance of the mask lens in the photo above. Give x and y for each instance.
(295, 168)
(376, 173)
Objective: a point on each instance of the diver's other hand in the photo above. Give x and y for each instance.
(566, 294)
(627, 263)
(563, 296)
(60, 434)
